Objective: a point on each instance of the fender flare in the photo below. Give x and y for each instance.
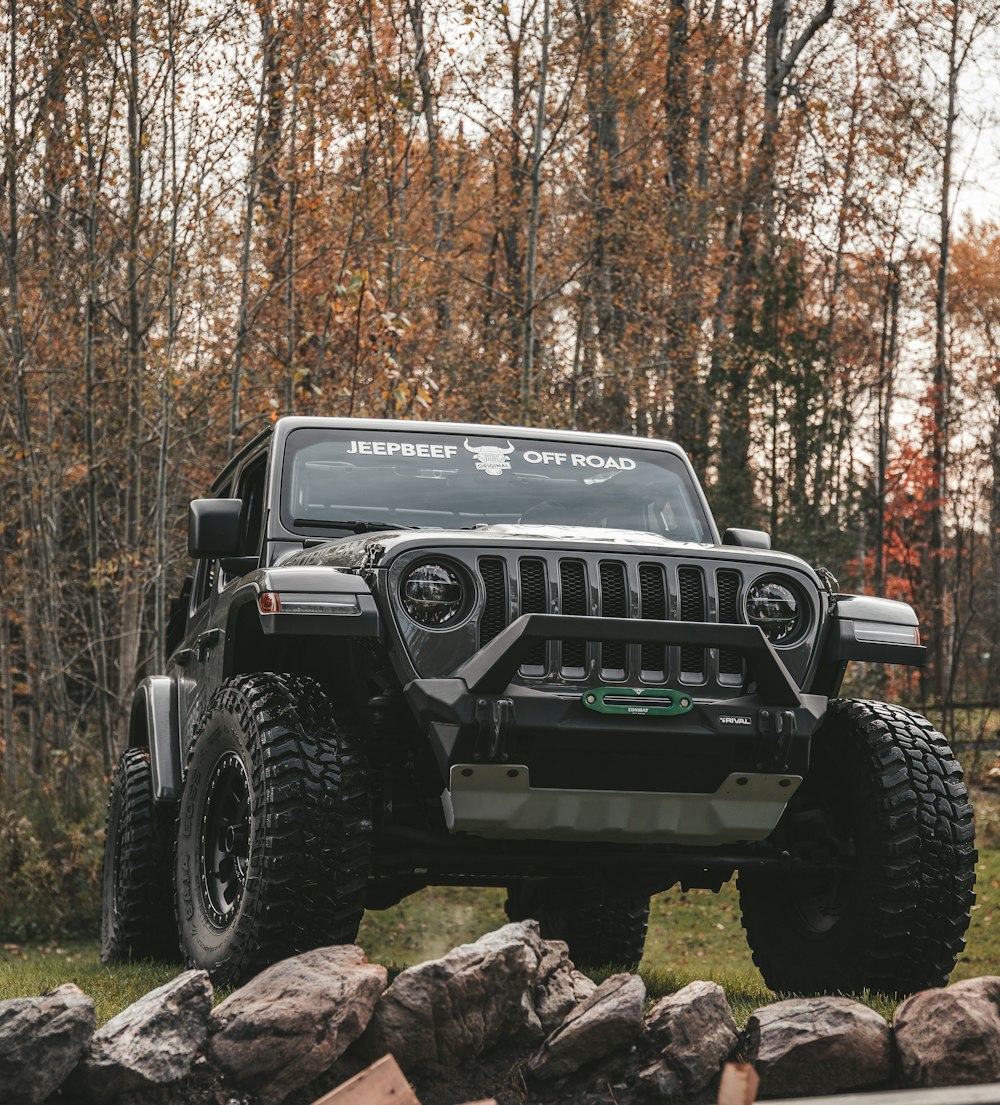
(153, 725)
(358, 615)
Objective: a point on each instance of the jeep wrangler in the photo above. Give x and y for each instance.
(421, 654)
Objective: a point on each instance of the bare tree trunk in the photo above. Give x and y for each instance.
(439, 220)
(132, 587)
(98, 634)
(885, 389)
(940, 379)
(995, 537)
(167, 377)
(7, 718)
(531, 245)
(253, 177)
(687, 419)
(291, 321)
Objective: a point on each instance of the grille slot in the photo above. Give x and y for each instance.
(614, 604)
(532, 580)
(493, 572)
(652, 605)
(579, 584)
(728, 583)
(573, 600)
(692, 595)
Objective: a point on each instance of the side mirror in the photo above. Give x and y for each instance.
(747, 538)
(214, 528)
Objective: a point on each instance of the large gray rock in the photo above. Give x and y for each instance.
(293, 1021)
(694, 1032)
(41, 1041)
(153, 1042)
(608, 1021)
(559, 987)
(950, 1037)
(455, 1008)
(814, 1046)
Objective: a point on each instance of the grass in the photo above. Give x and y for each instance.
(691, 936)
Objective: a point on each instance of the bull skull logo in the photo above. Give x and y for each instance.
(491, 459)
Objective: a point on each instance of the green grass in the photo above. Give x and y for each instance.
(29, 970)
(696, 935)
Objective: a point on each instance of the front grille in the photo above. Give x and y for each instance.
(619, 587)
(614, 604)
(728, 584)
(652, 605)
(573, 600)
(532, 578)
(493, 571)
(691, 584)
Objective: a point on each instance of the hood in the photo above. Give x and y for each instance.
(379, 549)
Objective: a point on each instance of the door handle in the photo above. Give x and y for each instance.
(204, 642)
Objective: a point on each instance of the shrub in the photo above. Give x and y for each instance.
(50, 870)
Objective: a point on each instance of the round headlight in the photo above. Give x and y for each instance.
(776, 608)
(432, 594)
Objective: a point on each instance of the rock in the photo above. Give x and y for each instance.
(950, 1037)
(559, 987)
(659, 1083)
(453, 1009)
(153, 1042)
(818, 1046)
(694, 1032)
(293, 1021)
(41, 1041)
(610, 1019)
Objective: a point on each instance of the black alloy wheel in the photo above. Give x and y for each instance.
(225, 839)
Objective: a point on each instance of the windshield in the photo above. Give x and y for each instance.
(352, 479)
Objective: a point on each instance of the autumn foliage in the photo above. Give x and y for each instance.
(695, 219)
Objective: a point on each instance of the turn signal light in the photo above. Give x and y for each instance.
(269, 602)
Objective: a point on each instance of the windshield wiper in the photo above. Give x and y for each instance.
(357, 526)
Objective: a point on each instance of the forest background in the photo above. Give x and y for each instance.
(733, 223)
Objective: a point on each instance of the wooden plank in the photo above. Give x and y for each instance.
(738, 1085)
(383, 1083)
(984, 1094)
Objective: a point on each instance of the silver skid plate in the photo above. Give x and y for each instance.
(498, 800)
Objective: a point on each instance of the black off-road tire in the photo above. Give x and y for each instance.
(137, 917)
(884, 800)
(602, 923)
(273, 844)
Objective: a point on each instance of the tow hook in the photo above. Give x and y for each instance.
(495, 719)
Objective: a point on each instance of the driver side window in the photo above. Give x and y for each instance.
(251, 491)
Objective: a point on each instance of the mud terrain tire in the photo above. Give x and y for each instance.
(275, 826)
(136, 891)
(885, 805)
(602, 923)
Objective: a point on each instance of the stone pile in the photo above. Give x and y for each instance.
(507, 1017)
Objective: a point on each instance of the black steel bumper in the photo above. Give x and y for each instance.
(480, 722)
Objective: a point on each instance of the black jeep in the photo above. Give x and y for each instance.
(420, 654)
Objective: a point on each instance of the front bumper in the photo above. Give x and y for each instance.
(498, 744)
